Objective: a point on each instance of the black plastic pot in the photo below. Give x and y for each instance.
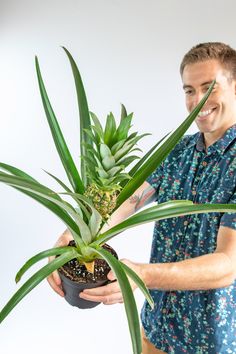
(72, 290)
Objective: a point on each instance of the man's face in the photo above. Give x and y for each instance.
(219, 112)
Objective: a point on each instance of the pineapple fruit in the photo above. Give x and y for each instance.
(107, 158)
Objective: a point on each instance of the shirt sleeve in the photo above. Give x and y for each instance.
(155, 180)
(229, 219)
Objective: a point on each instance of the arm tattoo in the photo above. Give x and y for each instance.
(146, 197)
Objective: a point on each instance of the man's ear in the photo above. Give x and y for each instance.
(234, 87)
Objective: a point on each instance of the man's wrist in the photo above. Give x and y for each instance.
(149, 274)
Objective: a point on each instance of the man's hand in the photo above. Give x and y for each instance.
(54, 278)
(142, 196)
(111, 293)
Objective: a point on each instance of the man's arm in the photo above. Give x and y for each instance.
(142, 196)
(210, 271)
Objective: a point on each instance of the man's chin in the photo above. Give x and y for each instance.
(204, 129)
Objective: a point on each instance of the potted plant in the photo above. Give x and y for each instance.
(97, 191)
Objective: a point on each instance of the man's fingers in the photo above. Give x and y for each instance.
(64, 239)
(54, 286)
(103, 290)
(54, 280)
(111, 275)
(105, 299)
(108, 294)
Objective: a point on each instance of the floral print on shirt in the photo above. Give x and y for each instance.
(193, 322)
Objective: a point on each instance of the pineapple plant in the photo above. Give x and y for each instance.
(96, 192)
(107, 158)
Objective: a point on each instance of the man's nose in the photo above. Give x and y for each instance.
(197, 97)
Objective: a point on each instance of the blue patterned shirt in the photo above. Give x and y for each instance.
(204, 321)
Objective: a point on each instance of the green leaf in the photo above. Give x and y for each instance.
(123, 151)
(123, 112)
(138, 281)
(123, 129)
(95, 131)
(164, 211)
(94, 137)
(97, 124)
(144, 158)
(95, 224)
(91, 165)
(56, 251)
(64, 186)
(108, 162)
(95, 219)
(66, 189)
(58, 137)
(17, 182)
(102, 173)
(81, 206)
(110, 130)
(128, 296)
(114, 170)
(82, 229)
(85, 122)
(16, 172)
(92, 153)
(128, 160)
(33, 281)
(120, 177)
(133, 135)
(104, 151)
(116, 147)
(156, 159)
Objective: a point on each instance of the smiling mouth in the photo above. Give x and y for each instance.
(205, 113)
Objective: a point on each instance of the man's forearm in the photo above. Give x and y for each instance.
(123, 212)
(144, 195)
(201, 273)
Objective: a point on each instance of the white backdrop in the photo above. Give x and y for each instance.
(128, 51)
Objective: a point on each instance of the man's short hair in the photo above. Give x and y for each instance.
(211, 50)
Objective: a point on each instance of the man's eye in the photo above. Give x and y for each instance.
(188, 92)
(207, 88)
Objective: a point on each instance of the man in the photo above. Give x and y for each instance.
(192, 268)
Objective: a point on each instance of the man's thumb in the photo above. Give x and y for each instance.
(111, 275)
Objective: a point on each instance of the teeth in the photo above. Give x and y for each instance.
(205, 113)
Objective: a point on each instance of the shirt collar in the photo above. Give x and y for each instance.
(220, 145)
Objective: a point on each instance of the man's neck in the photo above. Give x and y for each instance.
(211, 138)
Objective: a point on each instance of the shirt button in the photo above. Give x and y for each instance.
(204, 163)
(194, 192)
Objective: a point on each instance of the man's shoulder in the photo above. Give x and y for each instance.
(183, 148)
(186, 142)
